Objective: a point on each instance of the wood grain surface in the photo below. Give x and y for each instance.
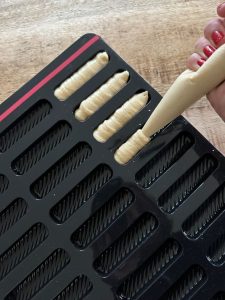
(153, 36)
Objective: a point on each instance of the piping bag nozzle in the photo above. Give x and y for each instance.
(189, 87)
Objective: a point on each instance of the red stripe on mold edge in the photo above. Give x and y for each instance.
(50, 76)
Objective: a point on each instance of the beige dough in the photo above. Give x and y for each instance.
(85, 73)
(120, 117)
(89, 106)
(187, 89)
(133, 145)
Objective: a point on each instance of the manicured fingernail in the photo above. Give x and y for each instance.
(209, 50)
(217, 37)
(200, 62)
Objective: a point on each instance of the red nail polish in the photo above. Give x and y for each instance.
(217, 37)
(200, 62)
(209, 50)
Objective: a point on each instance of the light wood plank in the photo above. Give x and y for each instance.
(155, 37)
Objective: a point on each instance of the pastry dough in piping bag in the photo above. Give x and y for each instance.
(189, 87)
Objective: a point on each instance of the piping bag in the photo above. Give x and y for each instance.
(189, 87)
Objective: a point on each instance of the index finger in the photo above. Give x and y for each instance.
(221, 10)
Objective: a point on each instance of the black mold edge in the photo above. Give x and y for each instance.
(78, 289)
(206, 214)
(141, 279)
(164, 160)
(103, 218)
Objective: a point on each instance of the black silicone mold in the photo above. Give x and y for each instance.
(74, 224)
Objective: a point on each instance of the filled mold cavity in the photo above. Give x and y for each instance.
(121, 116)
(102, 95)
(81, 76)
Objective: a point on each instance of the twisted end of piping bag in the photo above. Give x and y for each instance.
(189, 87)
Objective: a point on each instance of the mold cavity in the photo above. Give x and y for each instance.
(121, 116)
(81, 76)
(101, 96)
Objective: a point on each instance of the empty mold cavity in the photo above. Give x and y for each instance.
(126, 244)
(216, 251)
(42, 147)
(141, 279)
(41, 276)
(82, 192)
(81, 76)
(4, 183)
(102, 95)
(206, 213)
(133, 238)
(121, 116)
(23, 247)
(61, 170)
(12, 214)
(30, 119)
(187, 184)
(160, 163)
(103, 218)
(187, 285)
(78, 289)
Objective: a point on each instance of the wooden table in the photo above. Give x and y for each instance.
(154, 36)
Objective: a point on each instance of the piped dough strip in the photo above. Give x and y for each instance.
(78, 79)
(187, 89)
(120, 117)
(95, 101)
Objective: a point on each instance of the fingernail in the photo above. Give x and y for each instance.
(217, 37)
(200, 62)
(209, 50)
